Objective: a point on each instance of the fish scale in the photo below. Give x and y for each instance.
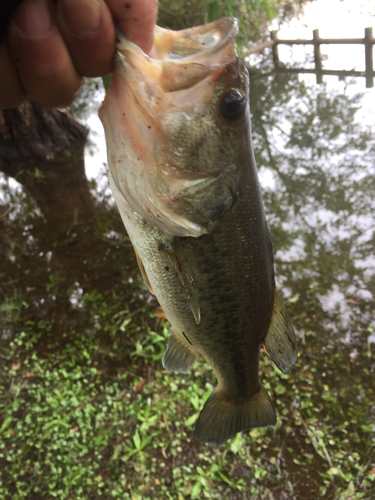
(183, 175)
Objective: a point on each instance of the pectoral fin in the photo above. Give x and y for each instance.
(185, 276)
(143, 272)
(204, 201)
(180, 206)
(280, 341)
(178, 356)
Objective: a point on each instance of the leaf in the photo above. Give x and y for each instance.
(107, 79)
(160, 314)
(124, 324)
(165, 421)
(137, 440)
(237, 443)
(280, 389)
(271, 13)
(140, 385)
(294, 299)
(196, 490)
(200, 471)
(213, 10)
(334, 471)
(192, 419)
(6, 423)
(226, 479)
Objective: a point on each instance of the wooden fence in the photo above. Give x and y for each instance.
(368, 41)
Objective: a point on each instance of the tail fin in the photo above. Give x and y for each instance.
(221, 419)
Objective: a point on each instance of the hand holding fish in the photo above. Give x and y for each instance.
(50, 46)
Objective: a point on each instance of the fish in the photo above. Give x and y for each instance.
(183, 174)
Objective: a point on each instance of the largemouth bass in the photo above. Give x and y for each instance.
(183, 175)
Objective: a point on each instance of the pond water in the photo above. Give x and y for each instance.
(87, 410)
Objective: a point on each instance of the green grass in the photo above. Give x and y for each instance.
(84, 418)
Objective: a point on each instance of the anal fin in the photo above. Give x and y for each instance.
(221, 419)
(178, 356)
(280, 341)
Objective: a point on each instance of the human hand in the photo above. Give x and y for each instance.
(50, 46)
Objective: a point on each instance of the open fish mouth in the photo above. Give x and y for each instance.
(181, 59)
(167, 140)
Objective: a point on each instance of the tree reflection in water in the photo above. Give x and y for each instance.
(86, 407)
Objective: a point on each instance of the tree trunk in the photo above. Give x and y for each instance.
(43, 149)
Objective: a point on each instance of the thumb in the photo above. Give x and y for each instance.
(135, 19)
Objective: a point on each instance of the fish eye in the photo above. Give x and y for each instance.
(232, 105)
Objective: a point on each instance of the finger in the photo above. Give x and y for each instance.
(87, 28)
(135, 19)
(12, 92)
(43, 62)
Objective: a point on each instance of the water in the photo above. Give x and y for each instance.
(79, 333)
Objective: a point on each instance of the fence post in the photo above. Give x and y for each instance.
(368, 55)
(317, 57)
(275, 50)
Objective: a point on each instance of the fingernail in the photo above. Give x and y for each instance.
(82, 17)
(33, 17)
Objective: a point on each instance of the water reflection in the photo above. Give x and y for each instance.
(321, 203)
(317, 165)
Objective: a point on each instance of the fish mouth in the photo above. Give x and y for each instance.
(183, 58)
(161, 109)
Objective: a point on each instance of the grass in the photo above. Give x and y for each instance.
(97, 416)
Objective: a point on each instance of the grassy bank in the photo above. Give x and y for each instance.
(89, 416)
